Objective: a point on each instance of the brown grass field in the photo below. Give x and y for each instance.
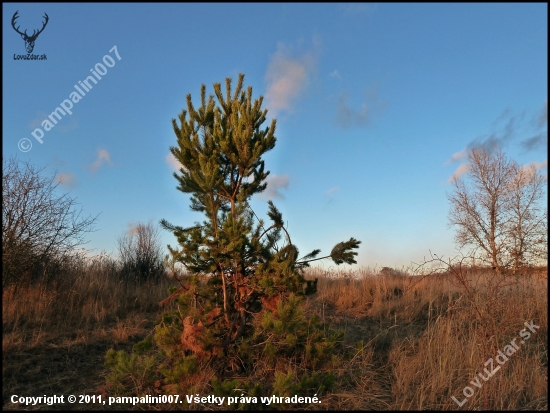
(424, 338)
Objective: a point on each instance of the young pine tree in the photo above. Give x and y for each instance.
(220, 148)
(245, 276)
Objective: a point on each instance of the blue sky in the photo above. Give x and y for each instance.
(375, 104)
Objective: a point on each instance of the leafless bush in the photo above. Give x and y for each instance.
(392, 272)
(40, 229)
(141, 253)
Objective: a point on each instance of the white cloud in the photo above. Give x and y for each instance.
(287, 78)
(102, 157)
(274, 185)
(173, 162)
(461, 170)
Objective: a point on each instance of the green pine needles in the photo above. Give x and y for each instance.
(239, 306)
(220, 147)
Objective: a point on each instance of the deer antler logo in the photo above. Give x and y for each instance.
(29, 40)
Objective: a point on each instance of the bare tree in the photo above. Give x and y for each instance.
(40, 228)
(496, 209)
(141, 252)
(527, 228)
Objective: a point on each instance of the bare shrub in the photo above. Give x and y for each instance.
(41, 230)
(141, 253)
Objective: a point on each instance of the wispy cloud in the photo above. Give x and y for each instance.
(287, 77)
(63, 124)
(503, 130)
(543, 115)
(332, 190)
(529, 170)
(275, 183)
(103, 157)
(540, 165)
(173, 162)
(37, 122)
(69, 125)
(335, 73)
(508, 128)
(535, 166)
(66, 179)
(457, 156)
(347, 116)
(461, 170)
(329, 195)
(539, 141)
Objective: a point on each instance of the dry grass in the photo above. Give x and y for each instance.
(422, 339)
(431, 337)
(55, 335)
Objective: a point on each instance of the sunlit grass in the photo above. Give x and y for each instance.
(414, 341)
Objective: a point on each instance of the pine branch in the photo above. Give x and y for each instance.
(342, 252)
